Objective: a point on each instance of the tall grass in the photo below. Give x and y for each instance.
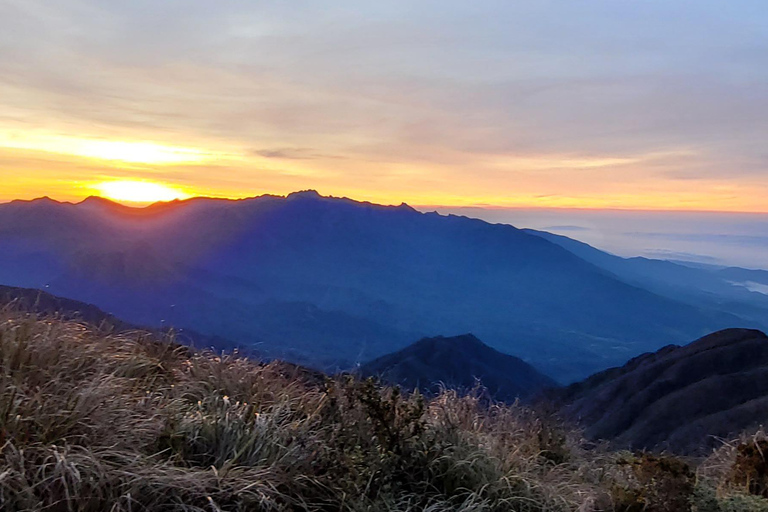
(91, 421)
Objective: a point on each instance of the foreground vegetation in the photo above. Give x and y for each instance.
(91, 421)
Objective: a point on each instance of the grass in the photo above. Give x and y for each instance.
(92, 421)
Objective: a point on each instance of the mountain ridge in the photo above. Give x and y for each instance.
(387, 274)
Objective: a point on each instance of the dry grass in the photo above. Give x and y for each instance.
(91, 422)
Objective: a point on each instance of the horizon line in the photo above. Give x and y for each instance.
(136, 205)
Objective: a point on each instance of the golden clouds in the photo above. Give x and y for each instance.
(111, 150)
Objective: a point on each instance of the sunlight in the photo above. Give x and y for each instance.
(122, 151)
(139, 152)
(135, 191)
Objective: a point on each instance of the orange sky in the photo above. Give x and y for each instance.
(68, 167)
(638, 106)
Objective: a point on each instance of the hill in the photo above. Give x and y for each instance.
(331, 282)
(127, 421)
(679, 398)
(458, 362)
(41, 304)
(734, 290)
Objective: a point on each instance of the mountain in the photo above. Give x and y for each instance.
(458, 362)
(742, 292)
(331, 282)
(38, 302)
(90, 418)
(678, 398)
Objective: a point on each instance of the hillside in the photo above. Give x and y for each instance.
(678, 398)
(42, 304)
(333, 282)
(458, 362)
(133, 422)
(733, 290)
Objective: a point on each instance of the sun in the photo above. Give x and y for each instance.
(137, 191)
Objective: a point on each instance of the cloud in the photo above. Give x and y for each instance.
(666, 254)
(711, 238)
(565, 228)
(292, 154)
(461, 98)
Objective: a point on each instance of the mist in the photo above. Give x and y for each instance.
(714, 238)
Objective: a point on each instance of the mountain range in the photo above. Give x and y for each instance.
(332, 282)
(739, 291)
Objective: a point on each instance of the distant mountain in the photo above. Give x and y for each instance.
(738, 291)
(331, 282)
(678, 398)
(458, 362)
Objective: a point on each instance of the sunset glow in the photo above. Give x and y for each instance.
(473, 107)
(139, 191)
(114, 150)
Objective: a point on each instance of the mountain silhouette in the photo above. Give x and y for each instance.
(679, 398)
(331, 282)
(458, 362)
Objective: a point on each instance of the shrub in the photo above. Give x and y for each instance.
(750, 469)
(654, 483)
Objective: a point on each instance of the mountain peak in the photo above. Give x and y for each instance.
(459, 361)
(726, 337)
(45, 200)
(98, 205)
(96, 200)
(462, 341)
(304, 194)
(43, 204)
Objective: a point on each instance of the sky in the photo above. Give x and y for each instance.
(652, 104)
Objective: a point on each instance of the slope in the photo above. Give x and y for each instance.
(342, 281)
(458, 362)
(678, 398)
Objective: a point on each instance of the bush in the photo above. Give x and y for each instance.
(654, 483)
(750, 469)
(732, 478)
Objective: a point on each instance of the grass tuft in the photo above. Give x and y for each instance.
(92, 421)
